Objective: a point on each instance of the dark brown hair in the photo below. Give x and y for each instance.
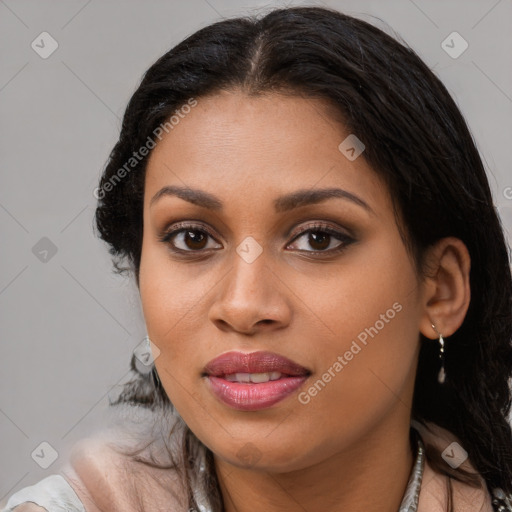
(416, 139)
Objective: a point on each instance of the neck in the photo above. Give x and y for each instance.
(370, 475)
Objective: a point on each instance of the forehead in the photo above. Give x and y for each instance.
(243, 146)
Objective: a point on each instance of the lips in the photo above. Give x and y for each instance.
(254, 362)
(253, 381)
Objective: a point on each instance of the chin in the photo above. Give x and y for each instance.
(265, 456)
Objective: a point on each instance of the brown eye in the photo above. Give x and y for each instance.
(194, 239)
(321, 239)
(189, 239)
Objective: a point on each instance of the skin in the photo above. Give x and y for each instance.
(348, 447)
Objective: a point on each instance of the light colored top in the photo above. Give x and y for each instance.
(53, 493)
(98, 478)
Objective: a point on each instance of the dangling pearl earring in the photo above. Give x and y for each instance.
(441, 377)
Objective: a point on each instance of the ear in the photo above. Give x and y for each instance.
(446, 288)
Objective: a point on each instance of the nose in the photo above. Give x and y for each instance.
(251, 299)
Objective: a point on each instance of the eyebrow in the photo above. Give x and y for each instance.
(281, 204)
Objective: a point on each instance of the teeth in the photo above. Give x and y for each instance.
(253, 377)
(260, 377)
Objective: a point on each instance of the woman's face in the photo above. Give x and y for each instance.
(270, 261)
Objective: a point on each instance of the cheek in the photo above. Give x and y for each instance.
(165, 309)
(373, 300)
(374, 295)
(386, 301)
(173, 300)
(167, 291)
(373, 314)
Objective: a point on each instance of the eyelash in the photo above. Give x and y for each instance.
(316, 228)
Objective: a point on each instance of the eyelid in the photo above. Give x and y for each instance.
(320, 226)
(178, 227)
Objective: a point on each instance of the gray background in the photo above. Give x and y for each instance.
(69, 325)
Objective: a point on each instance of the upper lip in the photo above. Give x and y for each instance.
(253, 362)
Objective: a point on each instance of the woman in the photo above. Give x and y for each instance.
(341, 338)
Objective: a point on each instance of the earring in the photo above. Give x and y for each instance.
(151, 353)
(441, 377)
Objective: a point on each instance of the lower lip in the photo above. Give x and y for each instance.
(254, 396)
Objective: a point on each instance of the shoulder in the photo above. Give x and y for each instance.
(106, 478)
(436, 488)
(53, 493)
(100, 475)
(29, 507)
